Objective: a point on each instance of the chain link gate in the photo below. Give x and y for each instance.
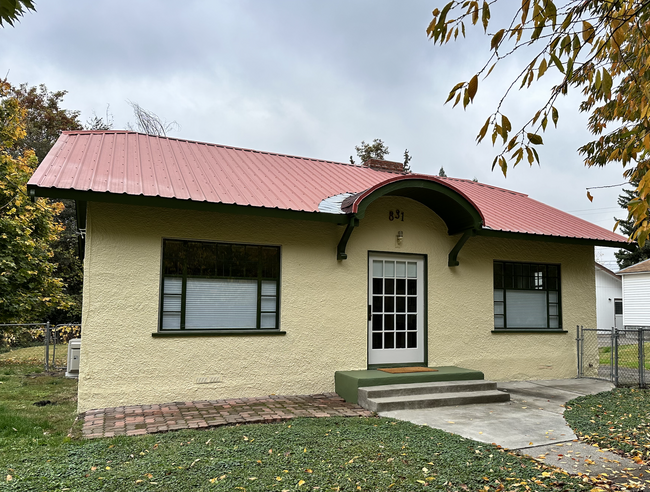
(617, 355)
(15, 336)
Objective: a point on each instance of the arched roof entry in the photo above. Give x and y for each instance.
(458, 212)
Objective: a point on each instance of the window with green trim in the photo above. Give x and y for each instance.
(219, 286)
(526, 296)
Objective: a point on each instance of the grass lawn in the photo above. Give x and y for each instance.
(374, 454)
(628, 355)
(617, 419)
(371, 454)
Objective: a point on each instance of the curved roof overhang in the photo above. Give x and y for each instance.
(457, 211)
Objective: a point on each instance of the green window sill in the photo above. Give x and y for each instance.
(530, 330)
(215, 333)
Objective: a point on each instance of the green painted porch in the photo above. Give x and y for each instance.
(347, 383)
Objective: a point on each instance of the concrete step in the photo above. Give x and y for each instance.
(429, 395)
(427, 388)
(415, 402)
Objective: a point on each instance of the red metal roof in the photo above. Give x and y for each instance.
(506, 210)
(121, 162)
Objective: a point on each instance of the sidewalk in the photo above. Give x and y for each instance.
(147, 419)
(532, 423)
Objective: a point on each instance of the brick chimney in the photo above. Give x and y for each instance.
(381, 165)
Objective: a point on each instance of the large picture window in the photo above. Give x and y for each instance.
(526, 296)
(219, 286)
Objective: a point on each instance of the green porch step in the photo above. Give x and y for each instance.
(347, 383)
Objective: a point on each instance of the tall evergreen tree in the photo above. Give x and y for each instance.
(626, 258)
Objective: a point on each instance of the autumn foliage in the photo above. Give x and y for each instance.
(28, 288)
(597, 46)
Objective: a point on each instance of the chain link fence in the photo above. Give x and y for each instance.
(38, 342)
(621, 356)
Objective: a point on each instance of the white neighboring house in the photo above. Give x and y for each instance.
(609, 299)
(636, 295)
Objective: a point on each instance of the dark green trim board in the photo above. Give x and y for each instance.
(81, 212)
(454, 209)
(530, 330)
(553, 239)
(347, 383)
(215, 333)
(453, 254)
(343, 243)
(156, 201)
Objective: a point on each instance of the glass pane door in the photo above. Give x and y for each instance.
(396, 309)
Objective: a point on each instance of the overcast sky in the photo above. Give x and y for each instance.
(301, 77)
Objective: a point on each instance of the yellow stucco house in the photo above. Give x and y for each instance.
(216, 272)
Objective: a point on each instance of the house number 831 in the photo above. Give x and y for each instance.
(396, 215)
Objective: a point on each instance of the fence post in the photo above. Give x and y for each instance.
(47, 346)
(615, 355)
(641, 360)
(611, 354)
(578, 349)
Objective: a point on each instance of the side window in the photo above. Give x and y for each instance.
(526, 296)
(219, 286)
(618, 306)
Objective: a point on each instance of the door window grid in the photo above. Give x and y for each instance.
(394, 308)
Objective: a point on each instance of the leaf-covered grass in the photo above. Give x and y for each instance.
(22, 385)
(628, 355)
(617, 419)
(303, 454)
(34, 355)
(372, 454)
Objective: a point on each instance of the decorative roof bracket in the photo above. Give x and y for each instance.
(453, 254)
(340, 249)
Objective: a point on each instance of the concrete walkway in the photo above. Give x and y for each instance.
(532, 423)
(147, 419)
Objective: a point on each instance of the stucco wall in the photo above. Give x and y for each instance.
(322, 306)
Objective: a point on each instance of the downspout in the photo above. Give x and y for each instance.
(80, 209)
(340, 249)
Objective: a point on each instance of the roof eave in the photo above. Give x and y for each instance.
(158, 201)
(555, 239)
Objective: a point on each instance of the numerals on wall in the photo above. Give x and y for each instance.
(396, 215)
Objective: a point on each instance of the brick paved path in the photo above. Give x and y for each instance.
(148, 419)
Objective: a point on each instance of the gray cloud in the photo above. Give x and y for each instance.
(300, 77)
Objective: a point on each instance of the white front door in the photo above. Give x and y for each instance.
(396, 309)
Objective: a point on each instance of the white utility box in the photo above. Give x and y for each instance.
(74, 348)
